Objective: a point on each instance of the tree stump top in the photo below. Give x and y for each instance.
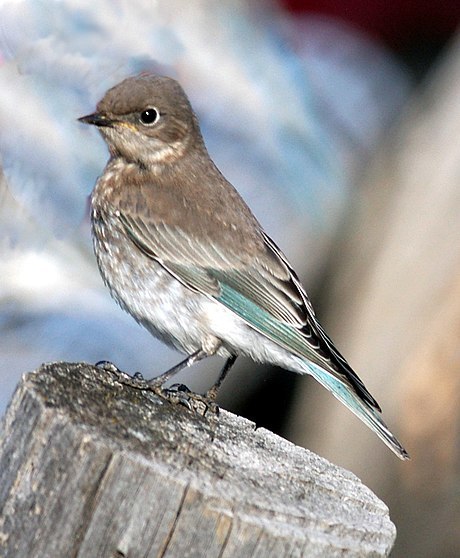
(92, 467)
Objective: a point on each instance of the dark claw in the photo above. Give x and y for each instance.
(185, 402)
(136, 381)
(180, 394)
(212, 408)
(179, 387)
(107, 365)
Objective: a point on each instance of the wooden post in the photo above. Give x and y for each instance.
(91, 467)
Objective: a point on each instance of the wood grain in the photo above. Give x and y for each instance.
(91, 467)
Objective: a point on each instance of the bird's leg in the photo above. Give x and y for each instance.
(178, 393)
(211, 394)
(156, 383)
(206, 403)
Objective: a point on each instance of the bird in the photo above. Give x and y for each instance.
(327, 116)
(180, 250)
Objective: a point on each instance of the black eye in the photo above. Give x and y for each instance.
(149, 116)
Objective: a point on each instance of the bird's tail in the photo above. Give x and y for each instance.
(360, 408)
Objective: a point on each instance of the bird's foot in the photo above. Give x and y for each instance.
(136, 380)
(177, 394)
(107, 365)
(182, 395)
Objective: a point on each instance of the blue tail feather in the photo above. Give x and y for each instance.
(360, 408)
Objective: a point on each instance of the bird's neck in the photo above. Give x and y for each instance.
(162, 158)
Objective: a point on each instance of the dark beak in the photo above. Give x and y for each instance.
(97, 119)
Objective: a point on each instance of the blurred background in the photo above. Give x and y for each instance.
(339, 125)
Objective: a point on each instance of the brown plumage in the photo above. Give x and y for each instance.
(181, 251)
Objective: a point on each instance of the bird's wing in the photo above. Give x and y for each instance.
(265, 292)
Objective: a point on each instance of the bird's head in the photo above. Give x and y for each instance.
(147, 119)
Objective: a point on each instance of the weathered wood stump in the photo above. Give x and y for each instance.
(90, 467)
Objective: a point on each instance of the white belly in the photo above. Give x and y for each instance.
(182, 318)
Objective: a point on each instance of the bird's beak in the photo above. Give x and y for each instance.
(97, 119)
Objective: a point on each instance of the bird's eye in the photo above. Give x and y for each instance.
(149, 116)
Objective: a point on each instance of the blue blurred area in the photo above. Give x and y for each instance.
(290, 108)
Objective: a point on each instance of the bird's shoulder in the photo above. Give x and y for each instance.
(193, 201)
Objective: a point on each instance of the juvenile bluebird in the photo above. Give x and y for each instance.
(182, 253)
